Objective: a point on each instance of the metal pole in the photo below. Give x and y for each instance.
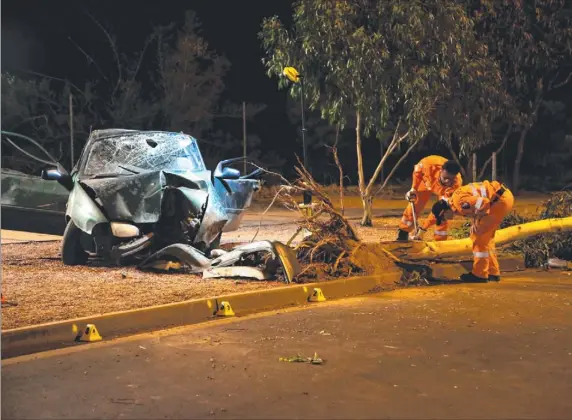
(71, 131)
(303, 124)
(244, 135)
(307, 194)
(494, 163)
(474, 167)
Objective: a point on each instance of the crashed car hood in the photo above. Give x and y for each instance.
(138, 197)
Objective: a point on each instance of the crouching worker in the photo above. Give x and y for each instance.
(432, 175)
(487, 203)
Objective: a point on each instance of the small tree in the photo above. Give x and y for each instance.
(191, 79)
(392, 65)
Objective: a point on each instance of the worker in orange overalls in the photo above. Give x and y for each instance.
(487, 203)
(432, 175)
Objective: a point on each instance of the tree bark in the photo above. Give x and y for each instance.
(367, 201)
(517, 162)
(367, 219)
(523, 133)
(340, 169)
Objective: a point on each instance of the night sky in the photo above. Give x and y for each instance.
(35, 37)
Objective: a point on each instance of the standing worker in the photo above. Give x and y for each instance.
(487, 203)
(432, 175)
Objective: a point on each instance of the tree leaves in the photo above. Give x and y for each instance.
(415, 61)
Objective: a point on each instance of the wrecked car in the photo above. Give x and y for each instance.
(134, 193)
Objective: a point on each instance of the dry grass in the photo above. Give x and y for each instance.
(45, 290)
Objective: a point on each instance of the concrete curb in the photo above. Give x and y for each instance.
(37, 338)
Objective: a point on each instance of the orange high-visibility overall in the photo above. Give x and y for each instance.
(426, 182)
(488, 203)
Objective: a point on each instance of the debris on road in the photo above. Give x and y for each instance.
(558, 263)
(258, 260)
(315, 360)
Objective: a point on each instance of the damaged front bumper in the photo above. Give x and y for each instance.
(259, 260)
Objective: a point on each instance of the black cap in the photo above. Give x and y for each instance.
(439, 209)
(452, 167)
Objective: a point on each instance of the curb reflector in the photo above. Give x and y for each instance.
(225, 309)
(317, 295)
(90, 334)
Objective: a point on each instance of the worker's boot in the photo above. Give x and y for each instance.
(471, 278)
(494, 277)
(402, 235)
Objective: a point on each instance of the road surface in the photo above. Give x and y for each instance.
(493, 351)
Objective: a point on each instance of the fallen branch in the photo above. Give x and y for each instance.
(458, 247)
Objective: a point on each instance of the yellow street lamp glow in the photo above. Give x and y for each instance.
(292, 74)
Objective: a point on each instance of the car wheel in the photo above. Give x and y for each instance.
(72, 250)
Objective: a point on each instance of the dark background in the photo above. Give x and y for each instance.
(35, 38)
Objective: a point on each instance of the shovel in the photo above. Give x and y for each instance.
(412, 204)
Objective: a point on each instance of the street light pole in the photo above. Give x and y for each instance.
(292, 74)
(303, 123)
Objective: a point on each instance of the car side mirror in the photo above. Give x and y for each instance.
(51, 174)
(58, 174)
(230, 173)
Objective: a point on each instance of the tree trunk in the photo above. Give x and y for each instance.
(458, 247)
(464, 171)
(523, 133)
(366, 200)
(499, 150)
(367, 219)
(340, 169)
(517, 162)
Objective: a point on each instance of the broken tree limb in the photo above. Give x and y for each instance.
(457, 247)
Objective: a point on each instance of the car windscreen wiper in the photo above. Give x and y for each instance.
(130, 168)
(107, 175)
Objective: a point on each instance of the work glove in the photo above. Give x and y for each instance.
(411, 195)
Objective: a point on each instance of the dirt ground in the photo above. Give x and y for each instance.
(34, 277)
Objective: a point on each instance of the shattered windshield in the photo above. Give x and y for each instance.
(139, 152)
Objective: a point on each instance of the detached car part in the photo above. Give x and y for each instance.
(242, 261)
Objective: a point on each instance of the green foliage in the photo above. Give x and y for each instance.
(532, 41)
(398, 60)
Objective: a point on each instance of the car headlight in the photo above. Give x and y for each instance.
(124, 230)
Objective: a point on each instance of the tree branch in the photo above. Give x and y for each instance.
(89, 58)
(45, 76)
(334, 149)
(503, 144)
(113, 48)
(395, 141)
(401, 159)
(561, 84)
(456, 159)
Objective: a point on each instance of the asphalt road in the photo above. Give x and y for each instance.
(494, 351)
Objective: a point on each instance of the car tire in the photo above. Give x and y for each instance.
(72, 250)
